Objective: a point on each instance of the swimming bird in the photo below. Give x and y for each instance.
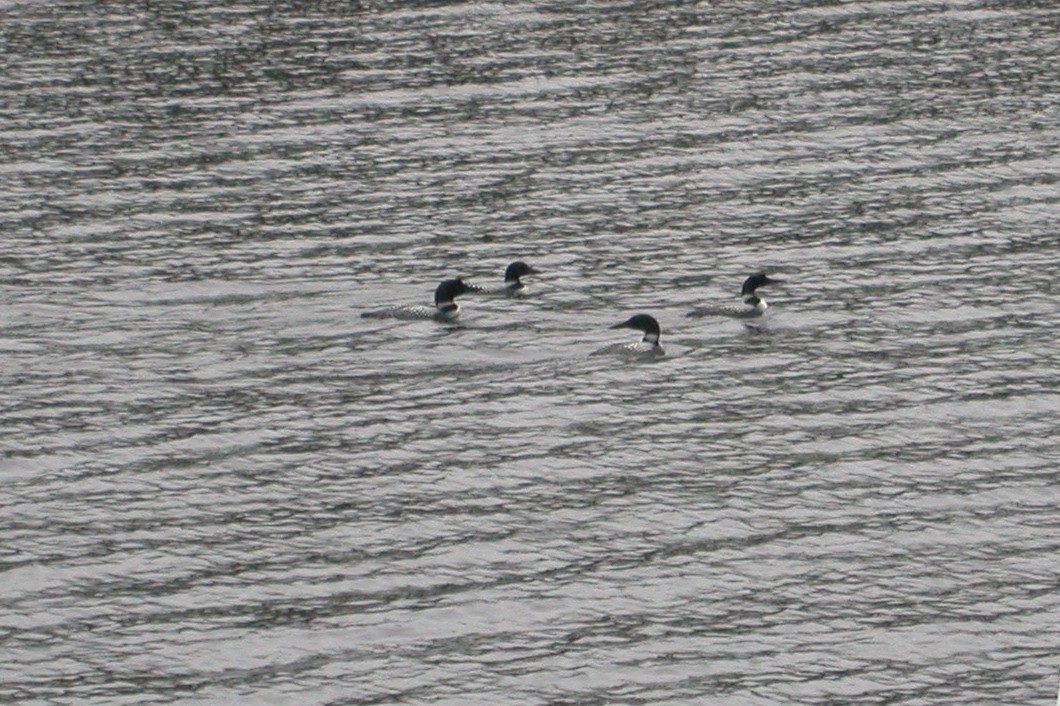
(754, 305)
(513, 286)
(445, 307)
(647, 346)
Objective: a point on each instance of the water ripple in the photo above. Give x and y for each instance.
(222, 485)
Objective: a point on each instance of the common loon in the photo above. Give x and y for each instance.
(445, 306)
(513, 286)
(754, 305)
(649, 345)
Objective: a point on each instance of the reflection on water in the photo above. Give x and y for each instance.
(222, 485)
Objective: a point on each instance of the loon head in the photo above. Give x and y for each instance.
(645, 323)
(759, 279)
(516, 270)
(449, 290)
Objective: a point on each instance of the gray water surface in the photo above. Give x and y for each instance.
(220, 485)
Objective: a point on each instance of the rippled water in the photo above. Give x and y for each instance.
(221, 485)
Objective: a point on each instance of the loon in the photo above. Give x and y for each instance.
(649, 345)
(513, 287)
(445, 307)
(755, 305)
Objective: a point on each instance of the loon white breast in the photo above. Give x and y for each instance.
(445, 306)
(753, 306)
(648, 345)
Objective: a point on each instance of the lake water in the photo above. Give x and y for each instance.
(220, 485)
